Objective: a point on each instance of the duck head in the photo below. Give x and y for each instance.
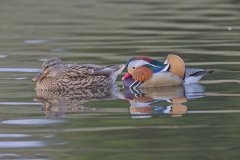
(50, 69)
(141, 69)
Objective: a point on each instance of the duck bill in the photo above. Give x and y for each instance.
(126, 76)
(38, 77)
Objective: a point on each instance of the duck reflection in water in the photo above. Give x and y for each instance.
(152, 102)
(57, 103)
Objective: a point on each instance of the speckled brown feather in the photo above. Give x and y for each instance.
(75, 76)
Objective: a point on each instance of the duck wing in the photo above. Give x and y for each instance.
(77, 71)
(87, 76)
(79, 76)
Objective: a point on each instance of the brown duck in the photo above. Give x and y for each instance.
(55, 75)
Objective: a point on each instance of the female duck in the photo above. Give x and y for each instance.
(55, 75)
(147, 72)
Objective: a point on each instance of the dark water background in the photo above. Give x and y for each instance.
(180, 125)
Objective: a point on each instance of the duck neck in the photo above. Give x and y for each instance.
(58, 70)
(45, 84)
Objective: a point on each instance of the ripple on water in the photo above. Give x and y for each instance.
(8, 155)
(17, 78)
(37, 41)
(15, 156)
(21, 144)
(33, 121)
(20, 103)
(31, 70)
(14, 135)
(2, 55)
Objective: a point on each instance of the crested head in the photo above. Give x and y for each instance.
(50, 69)
(136, 62)
(144, 58)
(143, 63)
(51, 62)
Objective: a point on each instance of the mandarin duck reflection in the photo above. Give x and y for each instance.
(145, 72)
(55, 75)
(151, 102)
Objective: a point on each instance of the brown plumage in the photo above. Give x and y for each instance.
(177, 65)
(55, 75)
(142, 74)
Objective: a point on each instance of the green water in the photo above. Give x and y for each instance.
(182, 125)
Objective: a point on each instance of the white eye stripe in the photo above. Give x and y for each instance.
(137, 63)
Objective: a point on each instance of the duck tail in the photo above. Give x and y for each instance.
(193, 75)
(117, 70)
(111, 71)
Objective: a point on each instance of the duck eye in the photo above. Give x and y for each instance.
(133, 67)
(45, 70)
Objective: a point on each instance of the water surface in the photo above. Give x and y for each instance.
(185, 122)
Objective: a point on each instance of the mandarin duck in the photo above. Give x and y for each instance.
(55, 75)
(146, 72)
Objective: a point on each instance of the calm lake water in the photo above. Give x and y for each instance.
(197, 122)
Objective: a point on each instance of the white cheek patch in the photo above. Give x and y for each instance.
(137, 63)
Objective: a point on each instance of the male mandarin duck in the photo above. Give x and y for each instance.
(146, 72)
(55, 75)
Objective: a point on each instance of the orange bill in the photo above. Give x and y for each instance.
(127, 75)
